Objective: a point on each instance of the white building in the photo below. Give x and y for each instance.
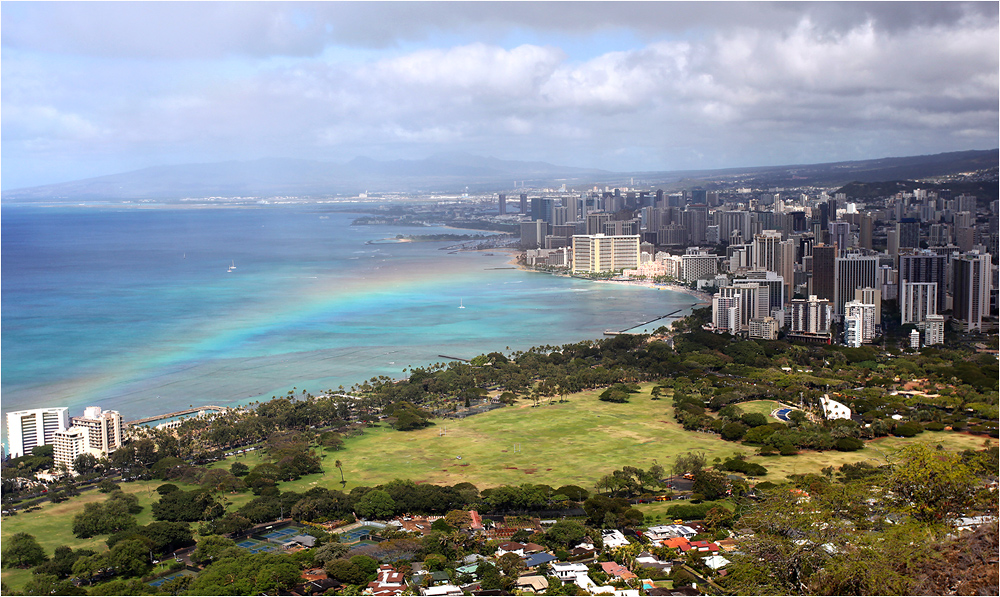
(811, 317)
(104, 429)
(833, 409)
(917, 301)
(69, 444)
(914, 339)
(699, 265)
(865, 314)
(764, 328)
(934, 330)
(600, 253)
(27, 429)
(727, 313)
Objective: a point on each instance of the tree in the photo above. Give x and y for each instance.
(710, 484)
(932, 485)
(564, 534)
(376, 504)
(690, 462)
(210, 548)
(253, 574)
(85, 463)
(49, 584)
(340, 467)
(22, 550)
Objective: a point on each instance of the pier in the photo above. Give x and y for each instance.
(673, 314)
(179, 413)
(444, 356)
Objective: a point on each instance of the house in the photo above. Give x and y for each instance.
(510, 547)
(616, 570)
(648, 560)
(532, 584)
(300, 541)
(670, 531)
(568, 571)
(537, 559)
(388, 582)
(705, 546)
(715, 562)
(679, 543)
(476, 522)
(614, 539)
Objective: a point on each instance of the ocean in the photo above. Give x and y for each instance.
(150, 310)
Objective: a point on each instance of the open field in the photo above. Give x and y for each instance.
(575, 442)
(764, 407)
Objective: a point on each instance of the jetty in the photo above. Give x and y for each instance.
(672, 314)
(179, 413)
(444, 356)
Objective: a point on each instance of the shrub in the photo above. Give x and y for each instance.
(908, 429)
(934, 426)
(849, 444)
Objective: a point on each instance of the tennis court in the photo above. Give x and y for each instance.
(255, 546)
(285, 532)
(356, 534)
(169, 577)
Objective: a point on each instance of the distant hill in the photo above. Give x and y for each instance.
(452, 172)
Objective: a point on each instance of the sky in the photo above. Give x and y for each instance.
(89, 89)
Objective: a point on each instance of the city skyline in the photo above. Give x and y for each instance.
(90, 89)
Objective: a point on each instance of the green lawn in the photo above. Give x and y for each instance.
(575, 442)
(764, 407)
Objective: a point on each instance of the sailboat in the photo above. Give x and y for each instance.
(232, 267)
(460, 305)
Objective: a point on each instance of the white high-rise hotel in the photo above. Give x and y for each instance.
(27, 429)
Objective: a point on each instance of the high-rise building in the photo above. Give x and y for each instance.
(925, 266)
(754, 301)
(864, 315)
(533, 234)
(934, 330)
(852, 271)
(840, 235)
(917, 301)
(871, 296)
(600, 253)
(971, 290)
(823, 264)
(764, 328)
(811, 317)
(523, 206)
(867, 224)
(766, 250)
(726, 313)
(699, 265)
(502, 204)
(909, 233)
(27, 429)
(69, 444)
(775, 284)
(104, 429)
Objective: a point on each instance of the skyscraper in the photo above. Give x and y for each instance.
(502, 205)
(909, 233)
(104, 429)
(971, 290)
(600, 253)
(823, 261)
(851, 272)
(925, 266)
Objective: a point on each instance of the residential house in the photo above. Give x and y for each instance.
(388, 582)
(616, 570)
(532, 584)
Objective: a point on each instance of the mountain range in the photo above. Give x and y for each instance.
(456, 172)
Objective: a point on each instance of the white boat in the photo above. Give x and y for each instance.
(232, 267)
(460, 305)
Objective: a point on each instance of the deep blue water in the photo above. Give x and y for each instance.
(136, 310)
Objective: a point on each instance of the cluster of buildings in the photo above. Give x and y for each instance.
(817, 266)
(96, 432)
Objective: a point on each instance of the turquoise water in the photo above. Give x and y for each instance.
(136, 310)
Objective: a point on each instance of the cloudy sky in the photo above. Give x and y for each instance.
(88, 89)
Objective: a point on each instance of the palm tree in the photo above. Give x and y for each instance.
(340, 466)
